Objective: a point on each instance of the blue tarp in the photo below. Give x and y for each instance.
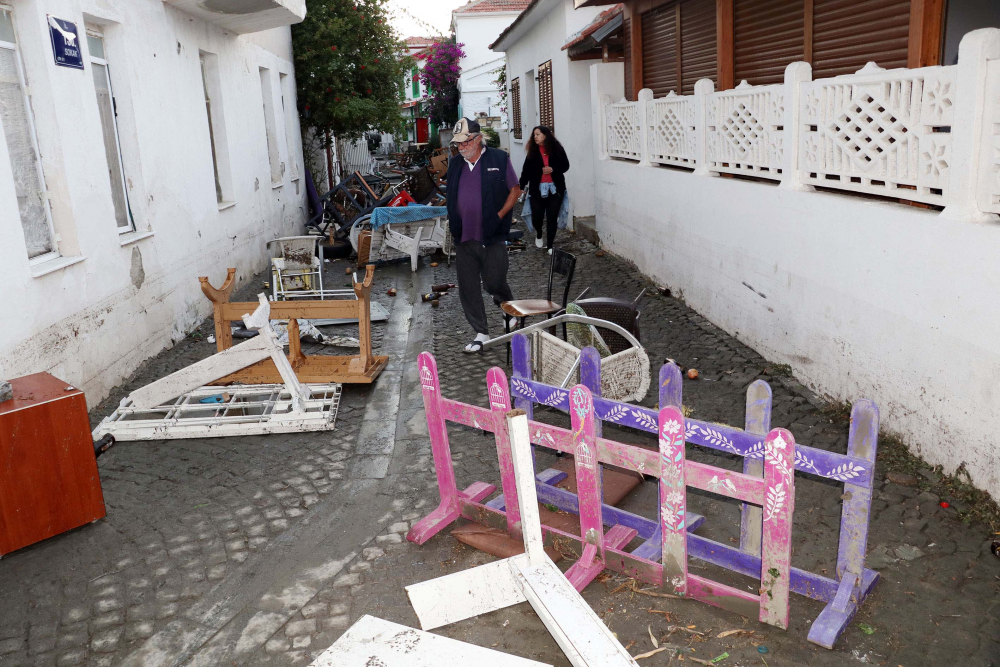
(412, 213)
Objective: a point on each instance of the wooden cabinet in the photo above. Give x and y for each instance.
(48, 473)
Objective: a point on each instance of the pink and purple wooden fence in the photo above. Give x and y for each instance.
(595, 549)
(853, 582)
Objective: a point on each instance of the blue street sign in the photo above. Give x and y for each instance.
(65, 43)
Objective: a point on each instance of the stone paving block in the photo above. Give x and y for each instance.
(106, 641)
(277, 645)
(298, 628)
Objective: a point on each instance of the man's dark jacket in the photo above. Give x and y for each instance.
(531, 172)
(493, 172)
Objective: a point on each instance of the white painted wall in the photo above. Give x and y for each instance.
(543, 41)
(477, 30)
(863, 298)
(92, 323)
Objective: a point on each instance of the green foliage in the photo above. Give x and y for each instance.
(492, 138)
(350, 68)
(501, 82)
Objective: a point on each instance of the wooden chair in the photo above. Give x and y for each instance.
(563, 264)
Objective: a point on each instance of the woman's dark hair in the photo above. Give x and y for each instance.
(551, 143)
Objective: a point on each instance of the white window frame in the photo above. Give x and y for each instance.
(286, 84)
(12, 46)
(91, 32)
(275, 168)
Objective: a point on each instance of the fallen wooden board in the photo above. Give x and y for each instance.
(456, 597)
(202, 372)
(373, 642)
(244, 410)
(311, 369)
(578, 631)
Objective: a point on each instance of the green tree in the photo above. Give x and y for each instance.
(349, 66)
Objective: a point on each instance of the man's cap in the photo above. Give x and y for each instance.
(464, 129)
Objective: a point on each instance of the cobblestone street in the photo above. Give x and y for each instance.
(263, 550)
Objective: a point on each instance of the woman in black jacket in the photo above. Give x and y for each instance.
(543, 173)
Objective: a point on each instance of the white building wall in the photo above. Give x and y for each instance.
(92, 323)
(477, 31)
(570, 95)
(863, 298)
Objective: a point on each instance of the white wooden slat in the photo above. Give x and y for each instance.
(201, 373)
(524, 478)
(466, 594)
(373, 641)
(578, 631)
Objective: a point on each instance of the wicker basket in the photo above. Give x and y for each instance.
(624, 375)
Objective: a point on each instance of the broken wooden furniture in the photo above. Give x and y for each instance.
(557, 362)
(373, 642)
(48, 474)
(531, 576)
(847, 590)
(595, 549)
(404, 232)
(180, 406)
(362, 368)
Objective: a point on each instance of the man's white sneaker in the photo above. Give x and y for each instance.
(550, 251)
(539, 243)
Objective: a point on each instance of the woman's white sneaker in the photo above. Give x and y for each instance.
(539, 242)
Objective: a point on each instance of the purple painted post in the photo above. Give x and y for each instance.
(673, 498)
(671, 386)
(590, 377)
(758, 421)
(496, 382)
(521, 355)
(862, 443)
(776, 527)
(448, 510)
(588, 488)
(855, 580)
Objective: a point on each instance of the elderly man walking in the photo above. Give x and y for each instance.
(482, 190)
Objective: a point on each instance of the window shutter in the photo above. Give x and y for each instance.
(767, 36)
(515, 103)
(659, 50)
(546, 114)
(698, 43)
(627, 32)
(849, 33)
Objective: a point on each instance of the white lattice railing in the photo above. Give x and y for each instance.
(929, 135)
(623, 130)
(745, 131)
(882, 132)
(671, 129)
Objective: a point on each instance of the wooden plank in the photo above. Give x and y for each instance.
(218, 297)
(673, 502)
(521, 355)
(926, 33)
(578, 631)
(466, 594)
(448, 509)
(496, 381)
(725, 51)
(588, 475)
(862, 443)
(203, 372)
(314, 369)
(372, 641)
(776, 527)
(808, 30)
(636, 55)
(283, 310)
(758, 422)
(524, 473)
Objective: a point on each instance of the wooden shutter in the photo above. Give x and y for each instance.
(849, 33)
(515, 104)
(767, 36)
(698, 43)
(659, 50)
(546, 114)
(627, 33)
